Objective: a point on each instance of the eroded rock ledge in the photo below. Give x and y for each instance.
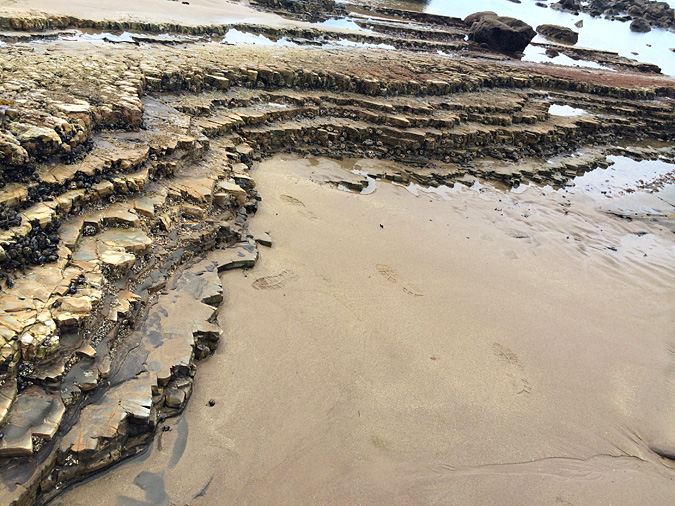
(130, 170)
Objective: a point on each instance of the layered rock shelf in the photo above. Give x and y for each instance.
(125, 190)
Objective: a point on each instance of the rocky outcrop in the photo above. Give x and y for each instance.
(502, 33)
(558, 33)
(304, 9)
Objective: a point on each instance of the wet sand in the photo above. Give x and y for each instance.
(196, 12)
(394, 349)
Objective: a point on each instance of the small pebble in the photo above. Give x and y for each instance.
(166, 428)
(212, 402)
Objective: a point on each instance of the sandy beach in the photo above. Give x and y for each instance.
(394, 349)
(195, 12)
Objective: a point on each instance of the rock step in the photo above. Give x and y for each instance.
(38, 312)
(398, 30)
(35, 413)
(557, 171)
(153, 379)
(58, 179)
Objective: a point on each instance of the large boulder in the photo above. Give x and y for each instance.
(640, 25)
(477, 16)
(502, 33)
(558, 33)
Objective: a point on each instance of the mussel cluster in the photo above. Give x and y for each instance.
(9, 217)
(37, 248)
(21, 174)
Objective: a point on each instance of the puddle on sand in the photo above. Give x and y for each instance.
(632, 189)
(234, 36)
(153, 486)
(103, 36)
(443, 192)
(565, 110)
(625, 176)
(628, 188)
(371, 183)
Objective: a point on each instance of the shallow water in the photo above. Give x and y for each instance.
(565, 110)
(628, 188)
(345, 23)
(538, 54)
(624, 175)
(597, 33)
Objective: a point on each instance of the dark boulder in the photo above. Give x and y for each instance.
(568, 5)
(640, 25)
(509, 35)
(477, 16)
(598, 5)
(558, 33)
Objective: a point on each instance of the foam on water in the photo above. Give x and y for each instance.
(234, 36)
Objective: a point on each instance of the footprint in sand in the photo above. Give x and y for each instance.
(387, 272)
(515, 369)
(273, 282)
(291, 200)
(390, 274)
(412, 291)
(300, 204)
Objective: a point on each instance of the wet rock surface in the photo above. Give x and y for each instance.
(125, 191)
(558, 33)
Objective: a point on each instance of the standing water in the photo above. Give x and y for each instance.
(596, 33)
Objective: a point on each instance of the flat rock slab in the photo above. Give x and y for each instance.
(231, 189)
(34, 413)
(204, 286)
(242, 255)
(131, 240)
(7, 396)
(196, 189)
(121, 215)
(164, 347)
(102, 421)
